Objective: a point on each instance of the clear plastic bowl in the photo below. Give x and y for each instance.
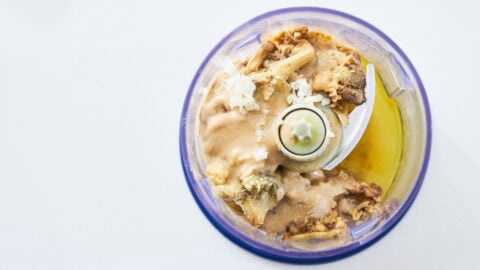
(402, 83)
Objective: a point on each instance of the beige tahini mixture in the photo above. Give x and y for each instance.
(267, 125)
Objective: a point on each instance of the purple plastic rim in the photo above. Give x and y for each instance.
(293, 256)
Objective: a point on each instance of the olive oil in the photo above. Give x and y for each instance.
(377, 156)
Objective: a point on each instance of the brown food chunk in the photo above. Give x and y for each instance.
(257, 59)
(352, 83)
(321, 210)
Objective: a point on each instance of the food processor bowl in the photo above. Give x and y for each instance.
(402, 84)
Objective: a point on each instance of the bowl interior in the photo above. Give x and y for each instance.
(402, 83)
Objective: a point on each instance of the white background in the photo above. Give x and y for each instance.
(90, 100)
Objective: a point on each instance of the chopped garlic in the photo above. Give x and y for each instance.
(302, 94)
(241, 88)
(260, 132)
(260, 154)
(302, 88)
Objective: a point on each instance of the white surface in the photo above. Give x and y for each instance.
(90, 99)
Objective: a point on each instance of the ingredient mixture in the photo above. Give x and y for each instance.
(269, 123)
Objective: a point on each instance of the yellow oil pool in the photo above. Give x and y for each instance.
(377, 156)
